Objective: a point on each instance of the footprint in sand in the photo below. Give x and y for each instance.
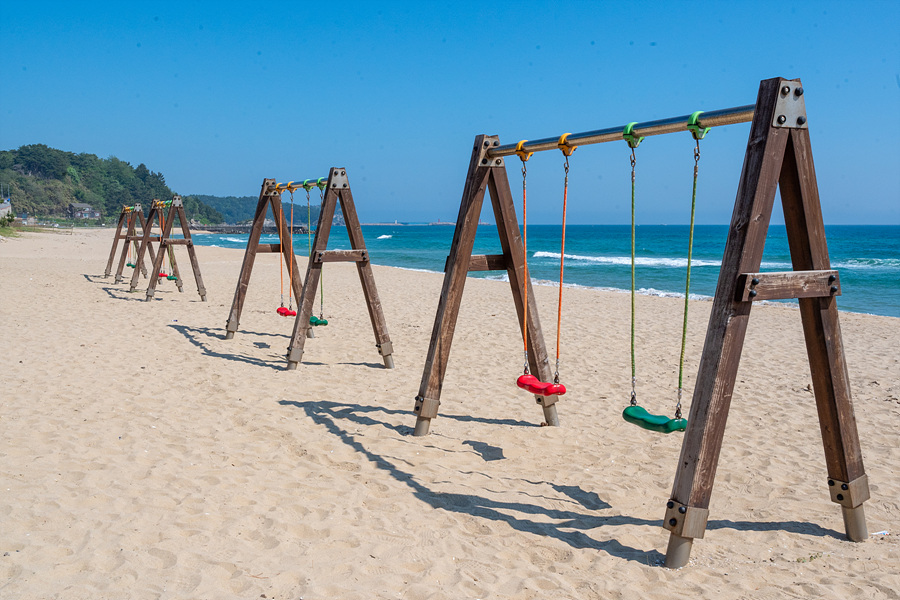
(167, 559)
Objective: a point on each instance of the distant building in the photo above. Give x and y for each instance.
(79, 210)
(5, 208)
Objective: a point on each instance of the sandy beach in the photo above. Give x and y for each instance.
(144, 456)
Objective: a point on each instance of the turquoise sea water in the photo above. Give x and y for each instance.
(598, 256)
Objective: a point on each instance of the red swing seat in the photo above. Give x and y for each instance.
(534, 385)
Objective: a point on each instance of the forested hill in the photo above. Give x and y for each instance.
(237, 209)
(43, 181)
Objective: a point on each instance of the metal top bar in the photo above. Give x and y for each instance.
(306, 184)
(712, 118)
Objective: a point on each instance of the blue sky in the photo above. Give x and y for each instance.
(217, 96)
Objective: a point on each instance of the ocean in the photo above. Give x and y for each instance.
(599, 256)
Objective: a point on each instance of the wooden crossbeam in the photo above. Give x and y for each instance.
(487, 262)
(321, 256)
(783, 285)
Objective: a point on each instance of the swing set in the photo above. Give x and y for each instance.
(167, 211)
(333, 189)
(778, 156)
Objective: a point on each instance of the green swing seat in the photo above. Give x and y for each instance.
(638, 415)
(317, 322)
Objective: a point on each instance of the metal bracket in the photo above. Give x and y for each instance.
(849, 493)
(490, 141)
(685, 521)
(426, 407)
(271, 187)
(546, 401)
(337, 179)
(176, 201)
(385, 348)
(790, 108)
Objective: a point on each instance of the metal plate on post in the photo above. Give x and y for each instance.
(176, 201)
(849, 493)
(790, 109)
(490, 141)
(338, 179)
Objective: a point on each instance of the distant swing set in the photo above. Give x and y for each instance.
(129, 218)
(166, 211)
(778, 155)
(333, 189)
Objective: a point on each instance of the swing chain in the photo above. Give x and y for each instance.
(526, 362)
(633, 163)
(633, 393)
(696, 158)
(678, 405)
(556, 374)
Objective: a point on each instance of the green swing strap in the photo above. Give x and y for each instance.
(308, 185)
(635, 414)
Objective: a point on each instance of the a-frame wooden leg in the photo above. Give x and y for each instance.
(688, 508)
(775, 154)
(237, 305)
(483, 174)
(302, 328)
(112, 253)
(192, 253)
(367, 279)
(129, 240)
(457, 267)
(145, 243)
(338, 190)
(511, 243)
(140, 263)
(847, 479)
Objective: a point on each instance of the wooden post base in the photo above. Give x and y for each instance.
(550, 417)
(678, 552)
(855, 523)
(388, 362)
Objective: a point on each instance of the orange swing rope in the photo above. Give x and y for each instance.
(567, 152)
(527, 381)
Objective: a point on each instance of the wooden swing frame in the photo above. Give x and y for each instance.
(166, 246)
(778, 155)
(269, 195)
(337, 189)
